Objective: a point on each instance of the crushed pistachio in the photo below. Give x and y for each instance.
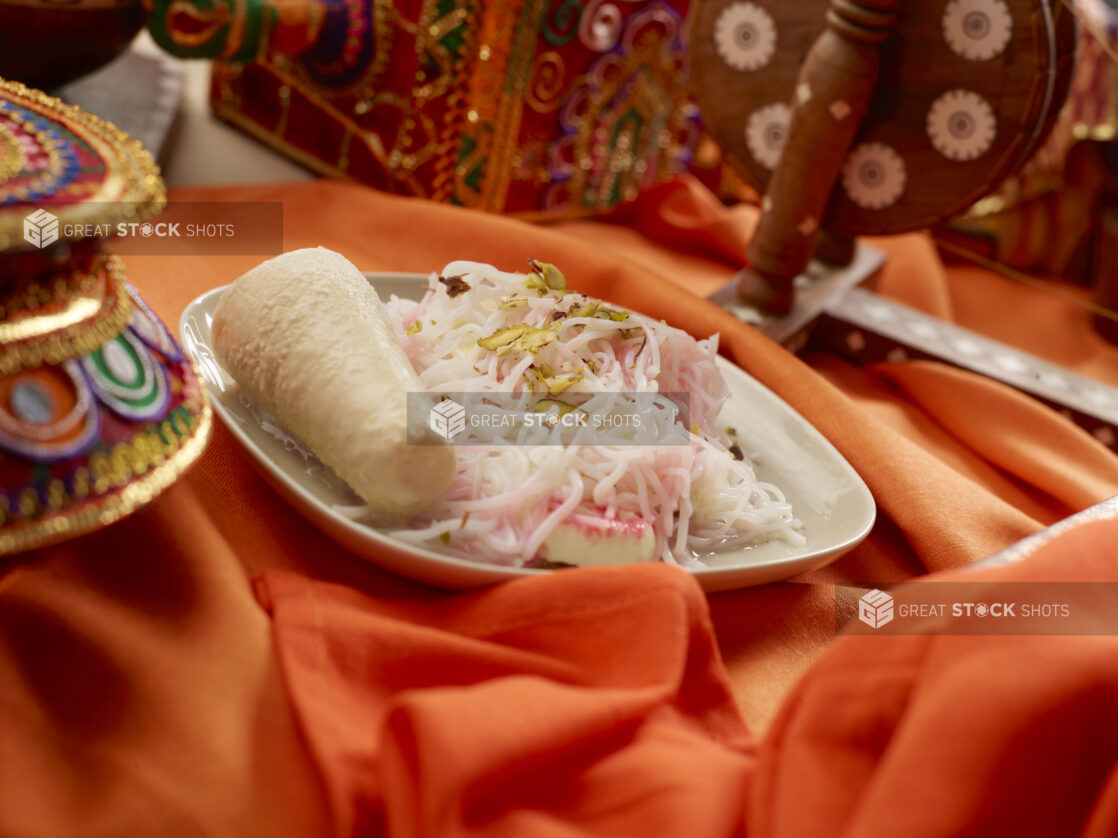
(520, 337)
(415, 328)
(531, 342)
(540, 379)
(503, 337)
(560, 384)
(545, 277)
(587, 309)
(444, 537)
(512, 302)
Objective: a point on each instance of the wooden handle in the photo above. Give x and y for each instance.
(832, 94)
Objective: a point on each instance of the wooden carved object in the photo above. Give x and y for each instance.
(872, 116)
(832, 95)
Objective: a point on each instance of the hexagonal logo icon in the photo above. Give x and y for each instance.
(875, 609)
(448, 419)
(40, 229)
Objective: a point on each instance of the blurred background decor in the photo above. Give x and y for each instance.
(46, 43)
(558, 108)
(575, 107)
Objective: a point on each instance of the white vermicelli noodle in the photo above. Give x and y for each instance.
(507, 499)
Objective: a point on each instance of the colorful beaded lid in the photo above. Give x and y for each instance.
(99, 408)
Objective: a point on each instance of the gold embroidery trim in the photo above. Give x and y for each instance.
(506, 132)
(112, 507)
(51, 289)
(132, 189)
(29, 347)
(12, 158)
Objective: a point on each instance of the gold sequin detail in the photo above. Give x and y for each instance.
(12, 158)
(131, 190)
(58, 337)
(121, 481)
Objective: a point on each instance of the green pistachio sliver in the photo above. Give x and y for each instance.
(587, 309)
(561, 385)
(512, 303)
(550, 276)
(611, 314)
(520, 337)
(540, 378)
(444, 537)
(554, 279)
(533, 340)
(415, 328)
(503, 337)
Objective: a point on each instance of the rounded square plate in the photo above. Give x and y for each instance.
(828, 496)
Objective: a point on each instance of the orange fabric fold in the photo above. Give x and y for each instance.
(583, 704)
(944, 734)
(141, 692)
(1011, 431)
(515, 717)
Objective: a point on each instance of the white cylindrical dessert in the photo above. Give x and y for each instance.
(308, 339)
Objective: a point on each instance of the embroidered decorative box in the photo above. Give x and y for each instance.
(99, 408)
(528, 106)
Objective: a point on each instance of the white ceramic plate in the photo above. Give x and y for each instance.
(830, 498)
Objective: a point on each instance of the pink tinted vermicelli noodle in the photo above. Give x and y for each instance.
(506, 500)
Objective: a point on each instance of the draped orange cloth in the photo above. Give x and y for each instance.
(215, 665)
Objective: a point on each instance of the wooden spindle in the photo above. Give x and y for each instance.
(831, 97)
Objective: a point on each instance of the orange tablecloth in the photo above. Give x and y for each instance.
(216, 666)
